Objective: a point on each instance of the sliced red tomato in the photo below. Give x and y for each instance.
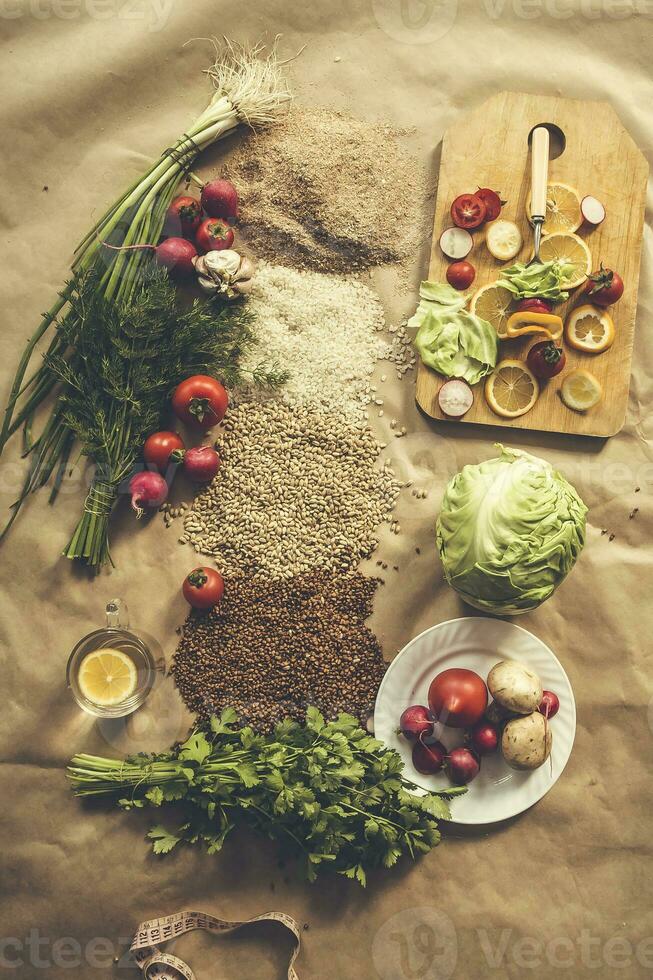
(492, 201)
(468, 211)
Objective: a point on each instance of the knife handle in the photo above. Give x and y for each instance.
(539, 171)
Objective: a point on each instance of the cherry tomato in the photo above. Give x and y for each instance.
(213, 235)
(492, 202)
(545, 359)
(184, 215)
(200, 402)
(458, 697)
(468, 211)
(460, 275)
(604, 287)
(203, 588)
(534, 305)
(159, 448)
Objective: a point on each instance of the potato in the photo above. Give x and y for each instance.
(526, 741)
(515, 687)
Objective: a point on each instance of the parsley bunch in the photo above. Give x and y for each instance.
(332, 791)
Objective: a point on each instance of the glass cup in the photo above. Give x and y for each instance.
(116, 637)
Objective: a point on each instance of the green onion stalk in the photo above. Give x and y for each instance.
(250, 90)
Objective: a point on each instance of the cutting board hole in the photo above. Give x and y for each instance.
(557, 139)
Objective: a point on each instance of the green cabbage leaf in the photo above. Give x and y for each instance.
(509, 531)
(544, 280)
(450, 339)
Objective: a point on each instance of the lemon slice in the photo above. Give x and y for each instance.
(563, 211)
(570, 250)
(512, 389)
(503, 239)
(580, 390)
(589, 329)
(492, 303)
(107, 677)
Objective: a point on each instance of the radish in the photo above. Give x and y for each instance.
(592, 210)
(484, 738)
(428, 759)
(416, 722)
(174, 254)
(201, 463)
(549, 705)
(455, 398)
(456, 243)
(147, 488)
(220, 199)
(462, 766)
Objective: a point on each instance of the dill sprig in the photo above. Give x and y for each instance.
(125, 359)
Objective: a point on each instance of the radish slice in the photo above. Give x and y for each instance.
(456, 243)
(455, 397)
(592, 210)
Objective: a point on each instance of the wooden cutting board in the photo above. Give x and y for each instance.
(488, 147)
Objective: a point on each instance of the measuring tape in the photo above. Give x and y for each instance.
(163, 966)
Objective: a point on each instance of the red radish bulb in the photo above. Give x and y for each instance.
(220, 199)
(456, 243)
(592, 210)
(201, 464)
(174, 254)
(428, 759)
(549, 705)
(147, 489)
(214, 234)
(484, 738)
(161, 449)
(458, 697)
(455, 398)
(416, 722)
(184, 215)
(462, 766)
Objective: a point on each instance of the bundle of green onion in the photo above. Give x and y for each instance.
(249, 90)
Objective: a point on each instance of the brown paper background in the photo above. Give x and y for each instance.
(87, 99)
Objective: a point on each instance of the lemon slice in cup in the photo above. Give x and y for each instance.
(107, 677)
(563, 211)
(569, 250)
(589, 329)
(580, 390)
(512, 389)
(492, 303)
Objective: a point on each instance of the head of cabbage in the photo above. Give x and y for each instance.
(509, 531)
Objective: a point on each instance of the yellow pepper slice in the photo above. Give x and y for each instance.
(522, 323)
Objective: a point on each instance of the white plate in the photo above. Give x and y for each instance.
(498, 792)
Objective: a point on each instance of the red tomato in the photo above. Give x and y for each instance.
(545, 359)
(468, 211)
(200, 402)
(458, 697)
(604, 287)
(492, 202)
(184, 215)
(203, 588)
(213, 235)
(534, 306)
(158, 449)
(460, 275)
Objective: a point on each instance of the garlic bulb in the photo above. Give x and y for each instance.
(226, 272)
